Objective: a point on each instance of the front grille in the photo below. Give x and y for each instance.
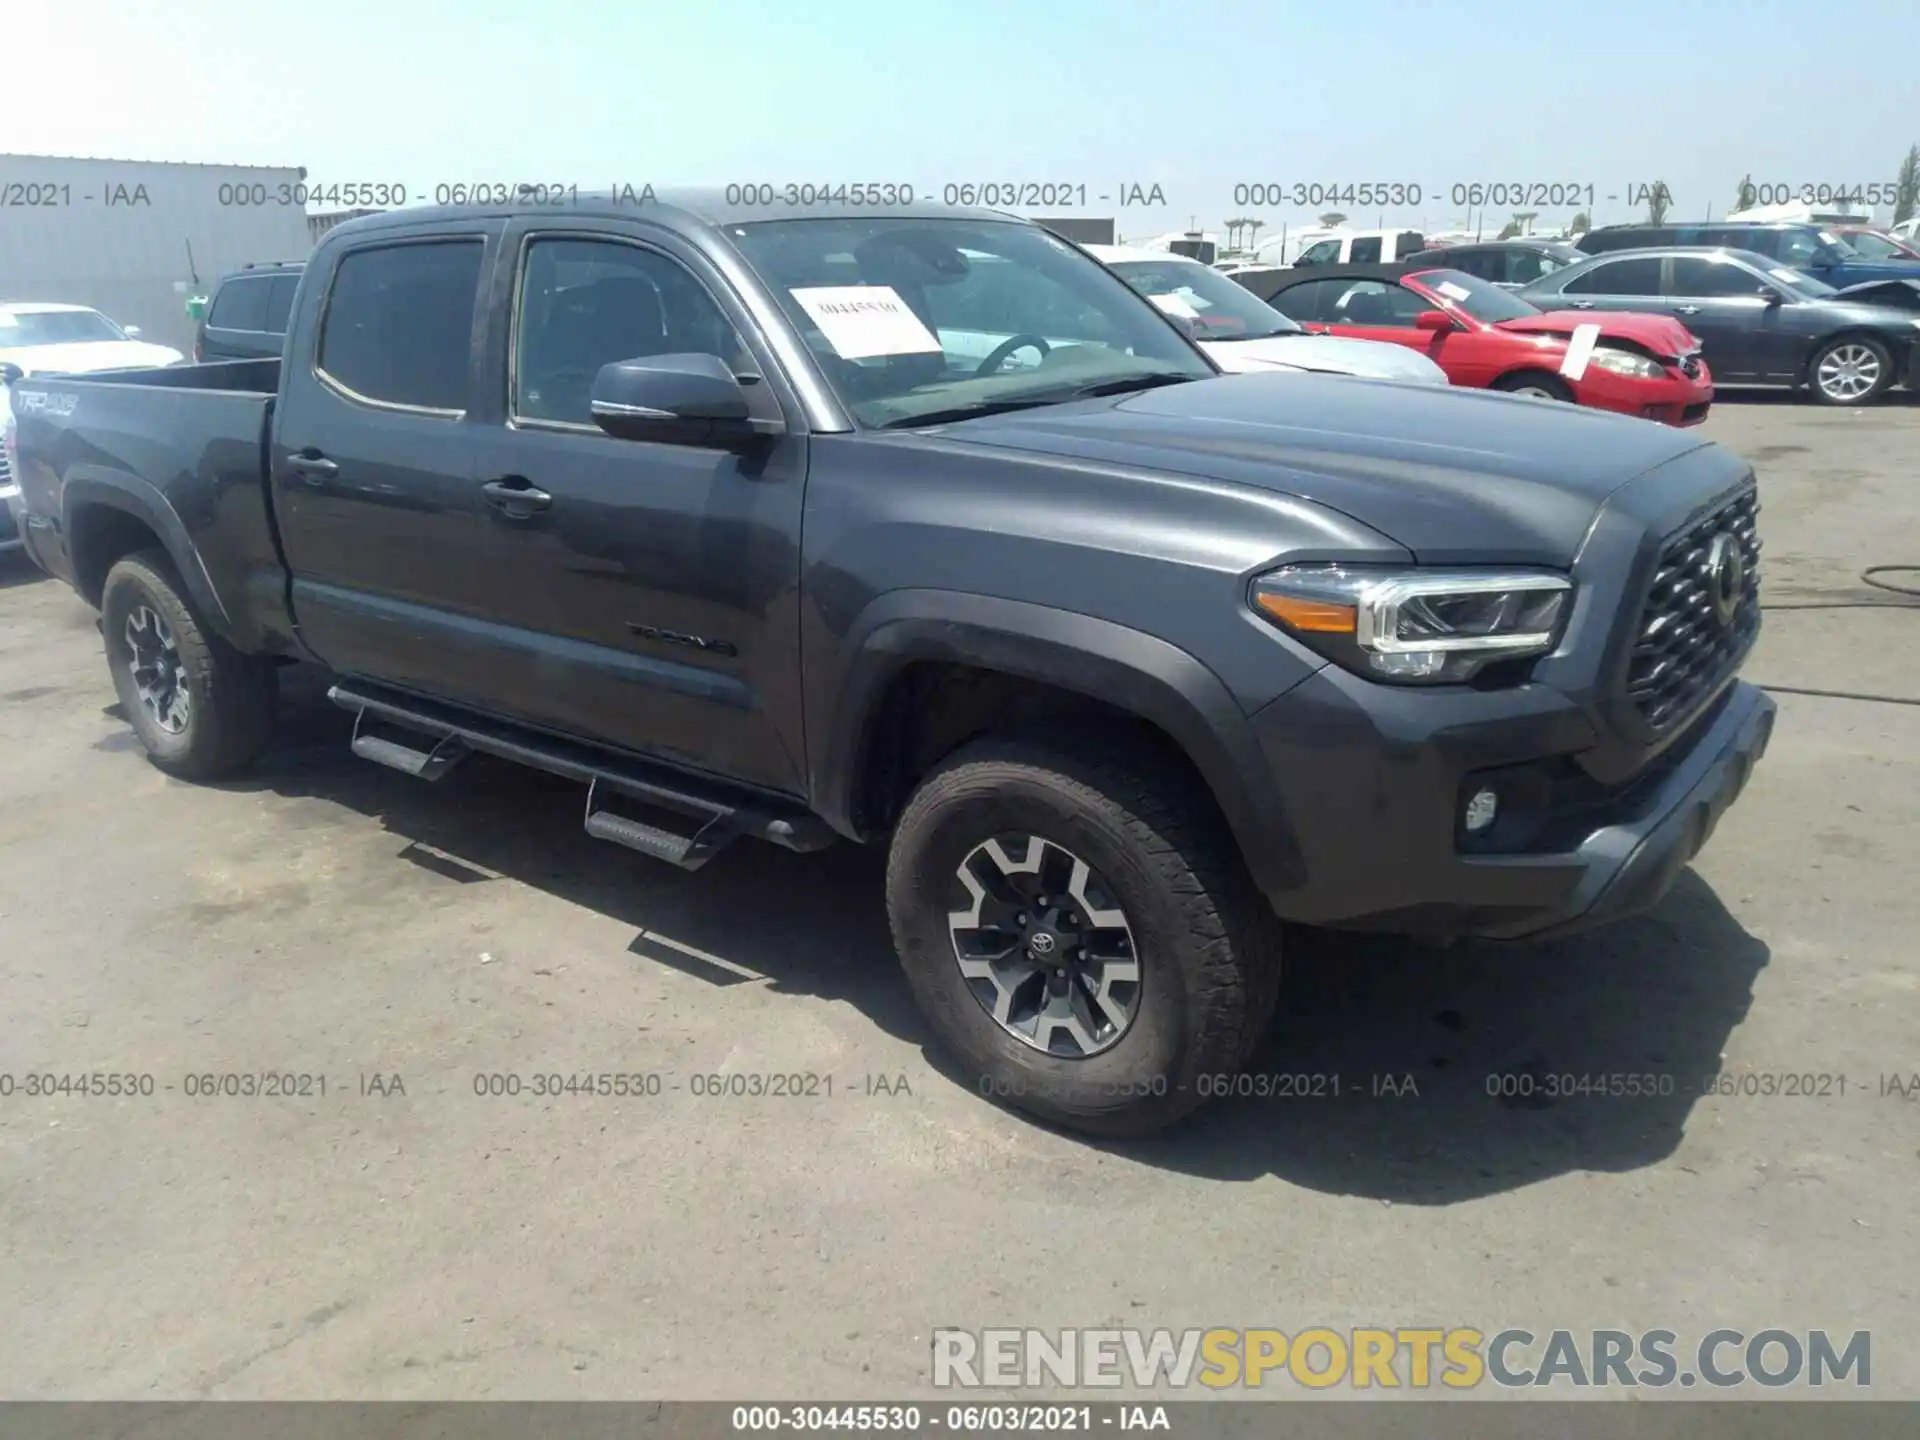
(6, 470)
(1685, 646)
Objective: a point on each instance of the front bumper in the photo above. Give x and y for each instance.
(1373, 779)
(1675, 399)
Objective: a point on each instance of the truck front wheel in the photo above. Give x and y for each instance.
(1079, 930)
(200, 707)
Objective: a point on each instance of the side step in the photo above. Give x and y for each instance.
(629, 801)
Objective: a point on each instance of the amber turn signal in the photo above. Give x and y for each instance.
(1319, 616)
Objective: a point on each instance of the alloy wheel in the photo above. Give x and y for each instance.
(1848, 372)
(159, 675)
(1044, 947)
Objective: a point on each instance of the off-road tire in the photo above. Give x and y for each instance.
(231, 697)
(1206, 941)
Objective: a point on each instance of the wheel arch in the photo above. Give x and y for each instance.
(1898, 356)
(906, 636)
(106, 521)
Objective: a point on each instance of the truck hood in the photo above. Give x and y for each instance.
(1331, 354)
(1664, 336)
(1455, 476)
(86, 356)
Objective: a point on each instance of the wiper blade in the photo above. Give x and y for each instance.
(1150, 381)
(969, 412)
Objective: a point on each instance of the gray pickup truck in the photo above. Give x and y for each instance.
(916, 525)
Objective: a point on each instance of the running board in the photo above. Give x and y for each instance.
(424, 738)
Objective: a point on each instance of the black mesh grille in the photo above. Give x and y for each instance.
(5, 469)
(1685, 646)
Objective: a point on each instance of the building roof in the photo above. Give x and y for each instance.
(170, 164)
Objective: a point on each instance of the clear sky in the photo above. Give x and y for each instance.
(1196, 96)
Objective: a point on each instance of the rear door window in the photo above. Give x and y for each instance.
(280, 303)
(399, 324)
(1638, 276)
(1309, 303)
(1366, 250)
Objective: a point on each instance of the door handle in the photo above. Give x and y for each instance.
(515, 496)
(1686, 309)
(1583, 304)
(314, 466)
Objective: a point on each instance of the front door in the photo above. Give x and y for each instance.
(1721, 303)
(645, 595)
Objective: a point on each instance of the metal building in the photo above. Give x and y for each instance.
(135, 239)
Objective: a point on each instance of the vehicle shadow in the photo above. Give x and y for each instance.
(16, 570)
(1419, 1075)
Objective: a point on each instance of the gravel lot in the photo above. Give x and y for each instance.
(332, 919)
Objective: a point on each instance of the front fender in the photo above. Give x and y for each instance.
(1137, 672)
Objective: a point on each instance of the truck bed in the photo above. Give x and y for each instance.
(181, 449)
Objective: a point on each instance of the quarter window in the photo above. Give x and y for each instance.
(399, 323)
(1711, 278)
(240, 305)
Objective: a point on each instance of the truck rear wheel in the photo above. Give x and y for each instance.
(1080, 932)
(200, 707)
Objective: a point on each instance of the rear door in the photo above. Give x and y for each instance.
(1631, 282)
(372, 460)
(1721, 303)
(647, 596)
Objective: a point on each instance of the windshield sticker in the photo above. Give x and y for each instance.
(1791, 277)
(1829, 237)
(864, 321)
(1453, 291)
(1175, 305)
(1580, 351)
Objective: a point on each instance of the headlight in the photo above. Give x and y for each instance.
(1416, 626)
(1625, 362)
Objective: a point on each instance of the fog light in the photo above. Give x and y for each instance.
(1480, 811)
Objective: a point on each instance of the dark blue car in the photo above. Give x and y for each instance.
(1814, 249)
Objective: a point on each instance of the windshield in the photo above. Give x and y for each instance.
(1214, 306)
(916, 318)
(1875, 247)
(1799, 282)
(1488, 304)
(24, 328)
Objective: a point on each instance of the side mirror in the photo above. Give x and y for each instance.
(1434, 320)
(10, 372)
(691, 399)
(133, 331)
(1771, 295)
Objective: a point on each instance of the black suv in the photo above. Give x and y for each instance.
(247, 319)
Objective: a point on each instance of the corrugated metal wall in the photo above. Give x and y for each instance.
(83, 232)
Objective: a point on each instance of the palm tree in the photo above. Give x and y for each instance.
(1580, 224)
(1907, 199)
(1657, 201)
(1508, 230)
(1743, 197)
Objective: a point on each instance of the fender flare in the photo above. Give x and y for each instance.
(144, 502)
(1138, 672)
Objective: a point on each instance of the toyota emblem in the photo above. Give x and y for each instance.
(1042, 943)
(1726, 575)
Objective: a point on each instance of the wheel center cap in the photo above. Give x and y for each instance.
(1043, 944)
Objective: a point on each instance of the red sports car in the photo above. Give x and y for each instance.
(1483, 336)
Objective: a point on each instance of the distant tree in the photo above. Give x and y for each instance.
(1743, 197)
(1581, 223)
(1332, 219)
(1508, 230)
(1658, 199)
(1524, 219)
(1907, 198)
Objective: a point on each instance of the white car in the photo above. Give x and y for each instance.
(1241, 332)
(40, 339)
(45, 339)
